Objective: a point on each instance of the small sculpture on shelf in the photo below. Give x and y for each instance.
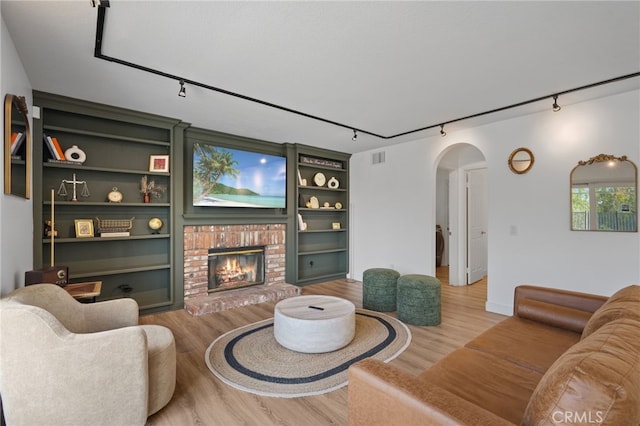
(62, 191)
(149, 189)
(49, 229)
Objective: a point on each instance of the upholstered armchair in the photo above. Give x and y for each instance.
(67, 363)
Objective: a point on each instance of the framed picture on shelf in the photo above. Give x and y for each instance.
(84, 228)
(158, 163)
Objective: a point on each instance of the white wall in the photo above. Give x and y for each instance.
(394, 204)
(16, 218)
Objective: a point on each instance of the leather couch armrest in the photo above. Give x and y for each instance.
(380, 394)
(566, 309)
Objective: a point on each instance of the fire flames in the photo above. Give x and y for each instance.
(231, 273)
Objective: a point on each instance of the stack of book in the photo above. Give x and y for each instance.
(54, 148)
(108, 233)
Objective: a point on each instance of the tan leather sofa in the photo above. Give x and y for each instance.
(562, 358)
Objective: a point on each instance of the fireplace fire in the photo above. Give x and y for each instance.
(235, 267)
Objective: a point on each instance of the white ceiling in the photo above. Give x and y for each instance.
(386, 67)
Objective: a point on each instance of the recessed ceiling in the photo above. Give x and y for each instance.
(385, 67)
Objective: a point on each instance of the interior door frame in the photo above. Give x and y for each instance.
(458, 223)
(480, 237)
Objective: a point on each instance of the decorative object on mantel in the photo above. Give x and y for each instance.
(149, 189)
(333, 183)
(250, 359)
(62, 191)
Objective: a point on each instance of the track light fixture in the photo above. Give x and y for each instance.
(103, 5)
(355, 135)
(100, 3)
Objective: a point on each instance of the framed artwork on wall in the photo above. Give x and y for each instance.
(159, 163)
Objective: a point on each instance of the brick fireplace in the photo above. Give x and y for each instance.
(199, 239)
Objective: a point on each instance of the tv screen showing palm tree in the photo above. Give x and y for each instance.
(226, 177)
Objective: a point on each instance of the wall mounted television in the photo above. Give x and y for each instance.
(227, 177)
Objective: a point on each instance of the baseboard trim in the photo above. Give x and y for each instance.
(498, 308)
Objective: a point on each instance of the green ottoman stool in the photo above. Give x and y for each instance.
(419, 299)
(379, 289)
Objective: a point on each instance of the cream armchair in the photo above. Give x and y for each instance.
(67, 363)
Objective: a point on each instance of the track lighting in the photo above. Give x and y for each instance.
(355, 135)
(442, 132)
(100, 3)
(555, 105)
(183, 91)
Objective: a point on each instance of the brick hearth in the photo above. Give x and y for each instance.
(198, 239)
(230, 299)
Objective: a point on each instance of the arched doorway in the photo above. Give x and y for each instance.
(461, 212)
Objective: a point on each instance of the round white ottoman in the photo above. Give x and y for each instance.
(314, 324)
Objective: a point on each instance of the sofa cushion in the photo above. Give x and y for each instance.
(529, 344)
(597, 380)
(625, 303)
(492, 383)
(553, 314)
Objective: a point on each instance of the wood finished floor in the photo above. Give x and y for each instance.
(201, 399)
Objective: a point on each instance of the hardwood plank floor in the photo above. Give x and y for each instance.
(201, 399)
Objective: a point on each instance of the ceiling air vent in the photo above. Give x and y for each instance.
(378, 157)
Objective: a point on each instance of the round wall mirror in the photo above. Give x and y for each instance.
(521, 161)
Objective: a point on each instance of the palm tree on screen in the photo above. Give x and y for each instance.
(210, 166)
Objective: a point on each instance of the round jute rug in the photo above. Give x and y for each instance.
(249, 358)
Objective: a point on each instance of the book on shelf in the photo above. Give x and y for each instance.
(104, 234)
(56, 145)
(50, 148)
(55, 150)
(17, 139)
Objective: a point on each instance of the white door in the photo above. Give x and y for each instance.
(476, 225)
(457, 233)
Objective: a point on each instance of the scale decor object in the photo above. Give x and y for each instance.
(62, 191)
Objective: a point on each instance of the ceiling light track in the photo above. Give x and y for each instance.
(98, 54)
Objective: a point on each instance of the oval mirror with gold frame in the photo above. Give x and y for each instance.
(17, 147)
(521, 160)
(604, 195)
